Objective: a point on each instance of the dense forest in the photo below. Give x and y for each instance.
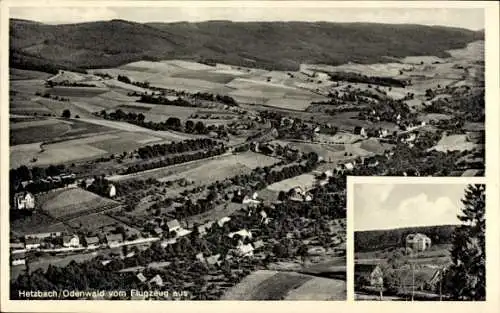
(112, 43)
(382, 239)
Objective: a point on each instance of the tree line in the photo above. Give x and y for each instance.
(359, 78)
(383, 239)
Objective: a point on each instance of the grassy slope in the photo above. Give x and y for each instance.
(279, 45)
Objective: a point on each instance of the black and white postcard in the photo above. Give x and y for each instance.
(160, 151)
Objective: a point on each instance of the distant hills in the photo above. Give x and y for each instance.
(270, 45)
(372, 240)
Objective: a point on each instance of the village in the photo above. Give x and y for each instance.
(206, 180)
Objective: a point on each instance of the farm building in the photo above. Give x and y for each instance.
(157, 280)
(32, 243)
(71, 241)
(173, 225)
(92, 242)
(200, 257)
(24, 201)
(213, 260)
(368, 274)
(112, 190)
(18, 259)
(167, 242)
(105, 262)
(141, 277)
(16, 245)
(114, 239)
(223, 221)
(245, 250)
(44, 235)
(418, 242)
(358, 130)
(203, 229)
(158, 231)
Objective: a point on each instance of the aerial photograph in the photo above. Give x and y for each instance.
(419, 242)
(185, 153)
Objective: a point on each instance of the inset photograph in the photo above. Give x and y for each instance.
(419, 242)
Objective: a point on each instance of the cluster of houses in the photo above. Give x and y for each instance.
(372, 275)
(55, 241)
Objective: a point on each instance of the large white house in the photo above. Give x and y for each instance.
(418, 242)
(24, 201)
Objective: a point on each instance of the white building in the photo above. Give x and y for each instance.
(112, 191)
(71, 241)
(24, 201)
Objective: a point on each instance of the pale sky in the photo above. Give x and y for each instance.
(386, 206)
(471, 18)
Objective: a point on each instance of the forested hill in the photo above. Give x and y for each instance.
(270, 45)
(372, 240)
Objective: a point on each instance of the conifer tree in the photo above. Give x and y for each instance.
(466, 278)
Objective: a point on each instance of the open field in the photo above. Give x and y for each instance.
(18, 74)
(306, 181)
(52, 130)
(74, 201)
(206, 171)
(454, 142)
(274, 285)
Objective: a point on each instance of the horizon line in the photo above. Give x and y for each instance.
(239, 21)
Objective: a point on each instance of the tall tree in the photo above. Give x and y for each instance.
(466, 278)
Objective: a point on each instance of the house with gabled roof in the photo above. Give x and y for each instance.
(32, 243)
(24, 201)
(203, 229)
(141, 277)
(114, 240)
(223, 221)
(418, 242)
(245, 250)
(173, 225)
(157, 280)
(213, 260)
(71, 241)
(92, 242)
